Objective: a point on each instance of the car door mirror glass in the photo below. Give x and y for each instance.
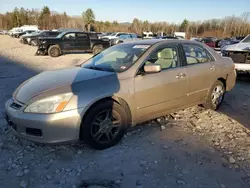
(152, 68)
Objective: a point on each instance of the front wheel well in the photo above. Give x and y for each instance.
(53, 45)
(224, 81)
(117, 100)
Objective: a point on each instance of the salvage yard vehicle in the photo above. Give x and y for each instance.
(209, 42)
(34, 39)
(124, 38)
(124, 85)
(71, 42)
(18, 35)
(240, 54)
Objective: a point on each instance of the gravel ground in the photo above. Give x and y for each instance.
(193, 148)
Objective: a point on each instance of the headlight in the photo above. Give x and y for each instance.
(28, 39)
(43, 42)
(48, 105)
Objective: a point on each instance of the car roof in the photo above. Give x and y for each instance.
(160, 41)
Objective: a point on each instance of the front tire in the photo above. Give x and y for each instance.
(104, 125)
(215, 96)
(97, 49)
(54, 51)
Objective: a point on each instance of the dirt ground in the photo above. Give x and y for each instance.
(199, 148)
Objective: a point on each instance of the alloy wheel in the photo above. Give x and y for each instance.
(105, 126)
(217, 95)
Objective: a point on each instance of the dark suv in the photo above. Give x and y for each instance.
(71, 42)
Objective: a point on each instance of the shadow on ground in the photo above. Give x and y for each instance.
(237, 102)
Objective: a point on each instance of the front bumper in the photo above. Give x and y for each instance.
(44, 128)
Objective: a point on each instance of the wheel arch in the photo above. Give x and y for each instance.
(49, 45)
(224, 81)
(115, 99)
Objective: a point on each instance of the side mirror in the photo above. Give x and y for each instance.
(152, 68)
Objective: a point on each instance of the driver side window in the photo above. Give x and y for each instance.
(166, 57)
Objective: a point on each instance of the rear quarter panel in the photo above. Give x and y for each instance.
(225, 69)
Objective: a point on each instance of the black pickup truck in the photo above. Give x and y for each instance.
(71, 42)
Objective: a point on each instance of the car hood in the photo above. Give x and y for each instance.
(50, 80)
(236, 47)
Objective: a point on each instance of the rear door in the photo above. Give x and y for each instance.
(155, 93)
(69, 41)
(201, 71)
(82, 41)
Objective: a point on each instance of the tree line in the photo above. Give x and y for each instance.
(47, 19)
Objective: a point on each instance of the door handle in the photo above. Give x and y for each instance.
(181, 75)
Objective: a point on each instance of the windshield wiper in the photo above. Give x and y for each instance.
(94, 68)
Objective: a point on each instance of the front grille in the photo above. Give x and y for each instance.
(15, 106)
(34, 132)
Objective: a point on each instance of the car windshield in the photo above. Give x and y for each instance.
(118, 58)
(247, 39)
(113, 34)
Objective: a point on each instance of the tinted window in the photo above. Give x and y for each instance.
(53, 34)
(124, 36)
(82, 35)
(196, 54)
(247, 39)
(166, 57)
(70, 36)
(134, 35)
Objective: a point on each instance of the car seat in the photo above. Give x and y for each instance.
(165, 58)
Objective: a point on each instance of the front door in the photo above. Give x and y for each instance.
(69, 42)
(82, 42)
(158, 92)
(200, 70)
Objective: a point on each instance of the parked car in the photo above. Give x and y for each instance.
(3, 32)
(34, 39)
(124, 38)
(71, 42)
(113, 35)
(15, 31)
(240, 53)
(122, 86)
(105, 34)
(209, 42)
(19, 34)
(166, 37)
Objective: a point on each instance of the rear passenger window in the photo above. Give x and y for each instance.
(196, 54)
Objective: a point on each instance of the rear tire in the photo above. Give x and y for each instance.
(97, 49)
(104, 125)
(215, 96)
(54, 51)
